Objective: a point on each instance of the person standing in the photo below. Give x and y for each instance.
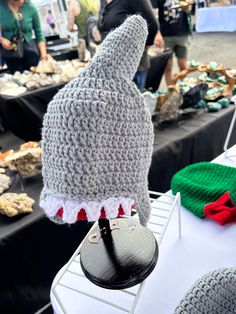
(50, 21)
(78, 14)
(114, 12)
(21, 16)
(175, 30)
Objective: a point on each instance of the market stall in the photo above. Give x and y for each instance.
(32, 248)
(37, 243)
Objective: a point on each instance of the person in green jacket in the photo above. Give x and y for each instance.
(82, 17)
(79, 13)
(21, 12)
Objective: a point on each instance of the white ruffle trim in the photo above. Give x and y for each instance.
(71, 208)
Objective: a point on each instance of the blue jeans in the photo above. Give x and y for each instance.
(140, 79)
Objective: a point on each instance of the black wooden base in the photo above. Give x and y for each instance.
(121, 257)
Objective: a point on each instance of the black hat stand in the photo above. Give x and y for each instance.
(118, 253)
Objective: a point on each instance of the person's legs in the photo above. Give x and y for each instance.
(182, 63)
(170, 44)
(181, 52)
(168, 72)
(140, 79)
(53, 27)
(81, 49)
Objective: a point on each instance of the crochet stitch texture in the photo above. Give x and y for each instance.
(214, 293)
(203, 183)
(97, 134)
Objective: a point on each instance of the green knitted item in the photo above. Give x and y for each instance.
(203, 183)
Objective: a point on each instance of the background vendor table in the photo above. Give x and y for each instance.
(32, 249)
(195, 138)
(218, 19)
(23, 114)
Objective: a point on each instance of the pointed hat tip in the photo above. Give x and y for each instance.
(138, 20)
(122, 49)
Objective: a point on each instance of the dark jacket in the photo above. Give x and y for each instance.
(113, 15)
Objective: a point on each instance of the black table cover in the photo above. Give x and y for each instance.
(23, 115)
(32, 250)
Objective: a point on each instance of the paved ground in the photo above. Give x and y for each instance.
(218, 47)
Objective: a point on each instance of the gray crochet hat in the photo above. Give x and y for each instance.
(97, 136)
(214, 293)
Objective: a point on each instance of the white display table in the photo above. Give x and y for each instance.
(219, 19)
(204, 246)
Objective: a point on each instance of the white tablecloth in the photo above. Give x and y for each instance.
(204, 246)
(219, 19)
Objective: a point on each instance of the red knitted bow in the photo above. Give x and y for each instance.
(222, 210)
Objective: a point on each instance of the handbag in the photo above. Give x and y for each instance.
(18, 42)
(158, 61)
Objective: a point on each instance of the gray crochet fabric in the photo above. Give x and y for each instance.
(97, 133)
(215, 293)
